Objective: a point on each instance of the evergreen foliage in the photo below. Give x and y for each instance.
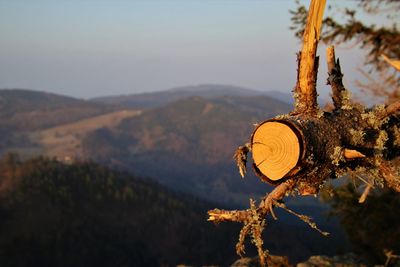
(372, 227)
(83, 214)
(377, 37)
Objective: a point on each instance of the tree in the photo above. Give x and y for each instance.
(380, 42)
(373, 226)
(298, 152)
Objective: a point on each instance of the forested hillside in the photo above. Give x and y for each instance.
(86, 215)
(82, 214)
(187, 145)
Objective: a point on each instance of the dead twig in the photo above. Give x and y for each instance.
(264, 208)
(308, 220)
(365, 194)
(254, 218)
(240, 157)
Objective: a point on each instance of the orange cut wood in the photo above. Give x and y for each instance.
(276, 149)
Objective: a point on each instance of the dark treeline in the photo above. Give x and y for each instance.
(373, 227)
(52, 214)
(84, 214)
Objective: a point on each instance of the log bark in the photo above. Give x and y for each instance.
(328, 146)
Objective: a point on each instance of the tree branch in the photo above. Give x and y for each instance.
(394, 63)
(390, 110)
(390, 178)
(264, 208)
(335, 75)
(306, 93)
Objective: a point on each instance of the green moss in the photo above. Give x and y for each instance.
(346, 96)
(379, 109)
(374, 117)
(360, 169)
(282, 117)
(310, 159)
(370, 119)
(320, 113)
(381, 140)
(296, 97)
(376, 176)
(396, 132)
(357, 136)
(337, 156)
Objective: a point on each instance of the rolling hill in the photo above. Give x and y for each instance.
(208, 91)
(66, 139)
(188, 145)
(26, 110)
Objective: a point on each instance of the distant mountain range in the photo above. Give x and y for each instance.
(185, 142)
(187, 145)
(157, 99)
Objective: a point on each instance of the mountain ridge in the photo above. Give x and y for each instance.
(159, 98)
(22, 109)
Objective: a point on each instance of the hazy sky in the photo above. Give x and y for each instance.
(88, 48)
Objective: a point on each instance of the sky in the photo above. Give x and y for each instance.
(90, 48)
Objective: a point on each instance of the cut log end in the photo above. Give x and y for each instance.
(276, 149)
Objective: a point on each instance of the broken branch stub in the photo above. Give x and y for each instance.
(306, 92)
(335, 76)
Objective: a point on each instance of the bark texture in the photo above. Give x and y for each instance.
(350, 138)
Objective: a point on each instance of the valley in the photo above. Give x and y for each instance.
(185, 146)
